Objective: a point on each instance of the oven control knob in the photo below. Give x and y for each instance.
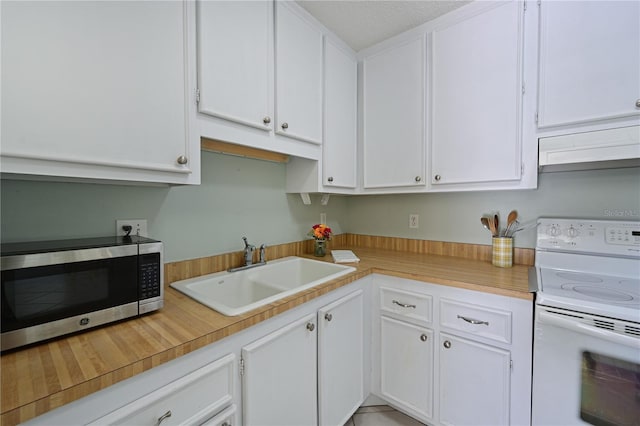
(554, 231)
(572, 232)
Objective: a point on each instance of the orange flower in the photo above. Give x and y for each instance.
(320, 231)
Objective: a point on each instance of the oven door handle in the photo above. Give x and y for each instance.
(553, 319)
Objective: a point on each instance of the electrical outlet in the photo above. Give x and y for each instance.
(323, 218)
(413, 220)
(138, 227)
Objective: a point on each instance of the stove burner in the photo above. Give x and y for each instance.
(576, 276)
(599, 293)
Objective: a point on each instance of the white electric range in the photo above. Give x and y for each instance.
(586, 367)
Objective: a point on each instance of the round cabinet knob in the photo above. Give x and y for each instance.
(266, 120)
(330, 179)
(328, 317)
(285, 126)
(447, 344)
(311, 326)
(423, 337)
(418, 178)
(638, 103)
(182, 160)
(437, 178)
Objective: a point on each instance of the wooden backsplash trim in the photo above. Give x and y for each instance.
(182, 270)
(521, 256)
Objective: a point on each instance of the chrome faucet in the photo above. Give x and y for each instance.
(248, 256)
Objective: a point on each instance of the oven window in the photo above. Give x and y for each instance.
(610, 391)
(47, 293)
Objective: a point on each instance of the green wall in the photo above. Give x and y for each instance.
(240, 196)
(456, 216)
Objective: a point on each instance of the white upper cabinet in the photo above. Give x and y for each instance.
(589, 62)
(298, 75)
(393, 116)
(99, 90)
(340, 117)
(260, 76)
(476, 97)
(235, 66)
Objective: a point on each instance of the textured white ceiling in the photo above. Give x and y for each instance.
(363, 23)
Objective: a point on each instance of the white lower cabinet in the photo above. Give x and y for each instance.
(296, 377)
(340, 359)
(279, 373)
(481, 372)
(191, 400)
(406, 366)
(474, 382)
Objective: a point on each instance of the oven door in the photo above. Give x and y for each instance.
(586, 369)
(50, 294)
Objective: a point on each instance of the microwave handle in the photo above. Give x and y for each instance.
(552, 319)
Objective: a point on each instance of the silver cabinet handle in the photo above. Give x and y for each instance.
(330, 179)
(182, 160)
(447, 344)
(266, 120)
(418, 178)
(424, 337)
(638, 103)
(404, 305)
(328, 316)
(163, 417)
(311, 326)
(473, 321)
(437, 178)
(285, 126)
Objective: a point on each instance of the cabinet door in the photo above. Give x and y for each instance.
(235, 61)
(90, 89)
(393, 99)
(406, 366)
(477, 98)
(474, 383)
(280, 377)
(589, 61)
(298, 76)
(340, 117)
(340, 359)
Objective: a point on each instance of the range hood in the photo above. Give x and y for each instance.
(612, 148)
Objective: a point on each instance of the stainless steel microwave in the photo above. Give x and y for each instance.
(52, 288)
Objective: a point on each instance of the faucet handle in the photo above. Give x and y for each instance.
(248, 246)
(262, 253)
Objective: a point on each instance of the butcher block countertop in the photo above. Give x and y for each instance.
(45, 376)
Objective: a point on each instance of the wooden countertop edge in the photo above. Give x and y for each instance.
(21, 413)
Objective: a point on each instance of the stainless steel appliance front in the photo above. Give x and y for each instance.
(52, 288)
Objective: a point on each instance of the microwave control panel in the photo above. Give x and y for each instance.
(150, 278)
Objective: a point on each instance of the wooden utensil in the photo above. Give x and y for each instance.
(513, 216)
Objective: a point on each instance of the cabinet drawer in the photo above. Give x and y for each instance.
(406, 304)
(491, 323)
(191, 399)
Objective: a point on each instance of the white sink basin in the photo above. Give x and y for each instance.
(233, 293)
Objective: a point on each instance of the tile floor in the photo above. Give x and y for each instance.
(380, 415)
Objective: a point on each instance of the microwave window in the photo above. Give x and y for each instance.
(42, 294)
(610, 391)
(32, 297)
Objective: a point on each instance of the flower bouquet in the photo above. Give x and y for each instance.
(321, 233)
